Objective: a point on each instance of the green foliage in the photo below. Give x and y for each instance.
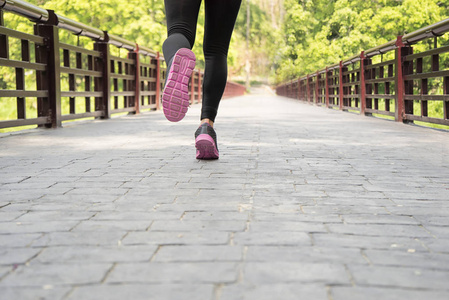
(263, 42)
(143, 21)
(135, 20)
(318, 33)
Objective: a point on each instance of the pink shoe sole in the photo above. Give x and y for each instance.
(175, 97)
(205, 147)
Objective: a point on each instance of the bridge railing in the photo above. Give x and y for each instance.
(388, 80)
(66, 81)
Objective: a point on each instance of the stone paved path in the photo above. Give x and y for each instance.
(304, 203)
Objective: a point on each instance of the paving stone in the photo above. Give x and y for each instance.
(17, 255)
(157, 193)
(439, 245)
(198, 225)
(10, 215)
(38, 216)
(29, 293)
(294, 217)
(97, 191)
(340, 209)
(293, 238)
(41, 275)
(352, 203)
(215, 216)
(125, 225)
(90, 184)
(392, 243)
(277, 209)
(402, 277)
(398, 230)
(144, 291)
(439, 231)
(47, 206)
(135, 215)
(410, 258)
(36, 227)
(285, 291)
(422, 196)
(18, 240)
(261, 226)
(417, 211)
(379, 219)
(433, 221)
(4, 179)
(156, 197)
(304, 254)
(177, 238)
(199, 272)
(384, 293)
(261, 273)
(95, 254)
(198, 253)
(25, 195)
(79, 238)
(4, 270)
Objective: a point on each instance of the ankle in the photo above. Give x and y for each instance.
(208, 121)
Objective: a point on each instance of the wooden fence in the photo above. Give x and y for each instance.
(400, 87)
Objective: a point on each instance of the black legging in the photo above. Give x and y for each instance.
(182, 16)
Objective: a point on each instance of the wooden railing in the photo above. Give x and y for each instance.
(73, 82)
(233, 89)
(399, 87)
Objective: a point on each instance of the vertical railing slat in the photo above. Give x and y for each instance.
(362, 84)
(104, 84)
(53, 73)
(158, 81)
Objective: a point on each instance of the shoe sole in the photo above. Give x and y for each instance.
(205, 147)
(175, 97)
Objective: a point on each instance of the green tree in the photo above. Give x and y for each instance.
(319, 33)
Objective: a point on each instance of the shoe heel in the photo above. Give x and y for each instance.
(206, 148)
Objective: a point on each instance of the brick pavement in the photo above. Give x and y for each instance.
(304, 203)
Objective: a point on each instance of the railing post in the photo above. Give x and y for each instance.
(362, 84)
(327, 88)
(369, 87)
(103, 84)
(43, 107)
(192, 88)
(135, 55)
(317, 88)
(158, 81)
(341, 94)
(199, 87)
(445, 92)
(400, 106)
(51, 79)
(290, 89)
(299, 89)
(4, 52)
(308, 89)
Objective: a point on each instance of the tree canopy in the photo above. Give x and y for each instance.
(288, 38)
(323, 32)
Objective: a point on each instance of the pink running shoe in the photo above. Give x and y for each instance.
(206, 142)
(175, 97)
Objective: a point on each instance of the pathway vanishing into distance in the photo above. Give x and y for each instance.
(304, 203)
